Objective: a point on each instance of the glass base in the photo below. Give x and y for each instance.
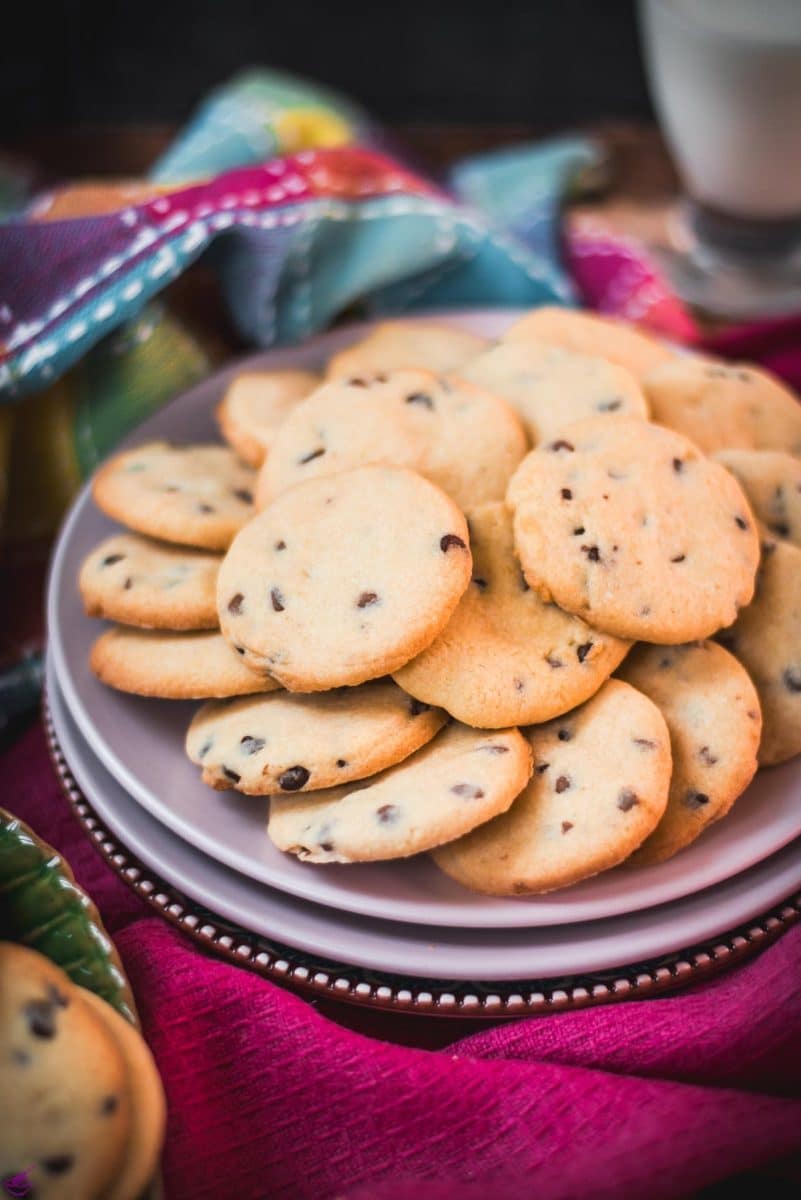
(730, 267)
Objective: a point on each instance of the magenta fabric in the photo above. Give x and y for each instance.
(270, 1098)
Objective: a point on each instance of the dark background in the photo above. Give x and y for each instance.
(545, 63)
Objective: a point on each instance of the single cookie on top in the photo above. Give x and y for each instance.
(138, 581)
(459, 780)
(724, 405)
(590, 333)
(464, 439)
(550, 387)
(254, 405)
(344, 578)
(599, 788)
(194, 495)
(292, 743)
(712, 711)
(630, 527)
(394, 345)
(506, 657)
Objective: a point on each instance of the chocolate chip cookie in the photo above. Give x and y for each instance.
(194, 495)
(713, 715)
(461, 779)
(599, 788)
(292, 743)
(506, 657)
(628, 526)
(344, 578)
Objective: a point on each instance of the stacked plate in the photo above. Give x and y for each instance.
(436, 941)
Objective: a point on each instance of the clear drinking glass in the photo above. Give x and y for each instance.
(725, 76)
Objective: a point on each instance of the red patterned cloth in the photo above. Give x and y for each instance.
(269, 1098)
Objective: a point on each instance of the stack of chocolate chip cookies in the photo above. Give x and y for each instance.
(533, 607)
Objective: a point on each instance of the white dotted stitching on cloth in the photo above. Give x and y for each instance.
(166, 262)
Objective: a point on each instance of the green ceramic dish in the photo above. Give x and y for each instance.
(43, 907)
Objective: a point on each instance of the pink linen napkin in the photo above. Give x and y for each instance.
(270, 1098)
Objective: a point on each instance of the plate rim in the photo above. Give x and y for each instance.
(417, 996)
(307, 887)
(409, 950)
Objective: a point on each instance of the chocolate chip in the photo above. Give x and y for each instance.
(554, 662)
(627, 799)
(450, 539)
(678, 466)
(387, 814)
(109, 1105)
(20, 1058)
(577, 532)
(251, 745)
(111, 559)
(58, 1164)
(205, 508)
(232, 775)
(417, 706)
(239, 649)
(583, 650)
(126, 587)
(244, 495)
(609, 405)
(696, 799)
(541, 767)
(468, 790)
(740, 522)
(235, 604)
(293, 779)
(567, 494)
(40, 1017)
(366, 599)
(665, 662)
(327, 846)
(277, 599)
(280, 545)
(706, 756)
(307, 458)
(564, 735)
(57, 996)
(780, 528)
(520, 685)
(567, 826)
(792, 679)
(644, 743)
(592, 552)
(342, 762)
(561, 444)
(524, 583)
(480, 583)
(562, 783)
(420, 398)
(678, 558)
(356, 382)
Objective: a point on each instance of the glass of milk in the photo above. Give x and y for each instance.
(725, 76)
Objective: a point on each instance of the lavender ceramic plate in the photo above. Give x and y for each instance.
(140, 742)
(407, 949)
